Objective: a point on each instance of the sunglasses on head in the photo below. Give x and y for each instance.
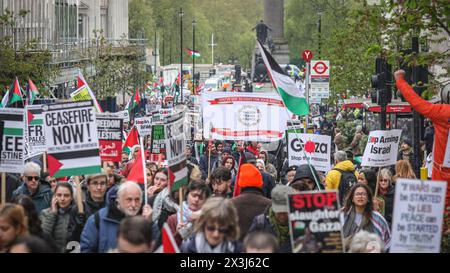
(213, 229)
(30, 178)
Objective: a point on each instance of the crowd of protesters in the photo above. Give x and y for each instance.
(43, 213)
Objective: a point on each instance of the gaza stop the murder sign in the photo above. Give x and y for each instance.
(304, 147)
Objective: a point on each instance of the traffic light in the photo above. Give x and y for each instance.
(382, 83)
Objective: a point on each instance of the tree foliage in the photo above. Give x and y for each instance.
(230, 21)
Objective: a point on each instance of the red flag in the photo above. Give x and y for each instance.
(136, 173)
(132, 139)
(168, 242)
(53, 165)
(80, 82)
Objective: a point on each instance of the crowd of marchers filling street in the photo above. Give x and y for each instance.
(163, 181)
(279, 149)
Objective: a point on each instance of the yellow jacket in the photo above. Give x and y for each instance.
(334, 177)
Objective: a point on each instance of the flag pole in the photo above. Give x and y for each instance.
(180, 192)
(79, 196)
(143, 169)
(44, 161)
(3, 197)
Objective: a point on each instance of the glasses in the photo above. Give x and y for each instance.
(30, 178)
(213, 229)
(361, 194)
(387, 180)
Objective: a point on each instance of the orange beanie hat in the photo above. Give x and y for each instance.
(250, 176)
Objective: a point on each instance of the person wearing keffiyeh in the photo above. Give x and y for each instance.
(359, 214)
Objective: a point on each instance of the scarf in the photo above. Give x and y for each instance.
(163, 202)
(186, 231)
(281, 230)
(350, 226)
(203, 246)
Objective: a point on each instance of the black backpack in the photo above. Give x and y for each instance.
(348, 179)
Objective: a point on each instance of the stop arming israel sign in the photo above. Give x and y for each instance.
(11, 142)
(382, 148)
(71, 138)
(316, 148)
(418, 216)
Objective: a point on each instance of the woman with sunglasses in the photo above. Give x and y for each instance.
(359, 214)
(39, 190)
(217, 229)
(384, 203)
(62, 221)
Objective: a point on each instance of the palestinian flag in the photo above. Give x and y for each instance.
(177, 176)
(74, 163)
(32, 92)
(294, 100)
(168, 241)
(5, 99)
(134, 102)
(193, 53)
(132, 139)
(13, 95)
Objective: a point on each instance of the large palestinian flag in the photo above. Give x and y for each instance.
(294, 100)
(13, 95)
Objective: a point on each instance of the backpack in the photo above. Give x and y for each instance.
(348, 179)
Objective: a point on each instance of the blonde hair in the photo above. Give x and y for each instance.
(403, 169)
(222, 211)
(196, 174)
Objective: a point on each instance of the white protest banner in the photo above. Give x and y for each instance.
(11, 159)
(71, 138)
(244, 116)
(175, 150)
(144, 125)
(418, 216)
(110, 136)
(34, 139)
(381, 149)
(314, 222)
(316, 147)
(125, 115)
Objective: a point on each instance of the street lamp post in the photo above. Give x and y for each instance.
(193, 56)
(181, 14)
(319, 28)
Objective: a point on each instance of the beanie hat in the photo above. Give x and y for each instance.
(250, 176)
(304, 171)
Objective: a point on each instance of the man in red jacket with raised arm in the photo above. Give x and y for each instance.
(439, 114)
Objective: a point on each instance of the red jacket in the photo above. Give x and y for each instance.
(439, 114)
